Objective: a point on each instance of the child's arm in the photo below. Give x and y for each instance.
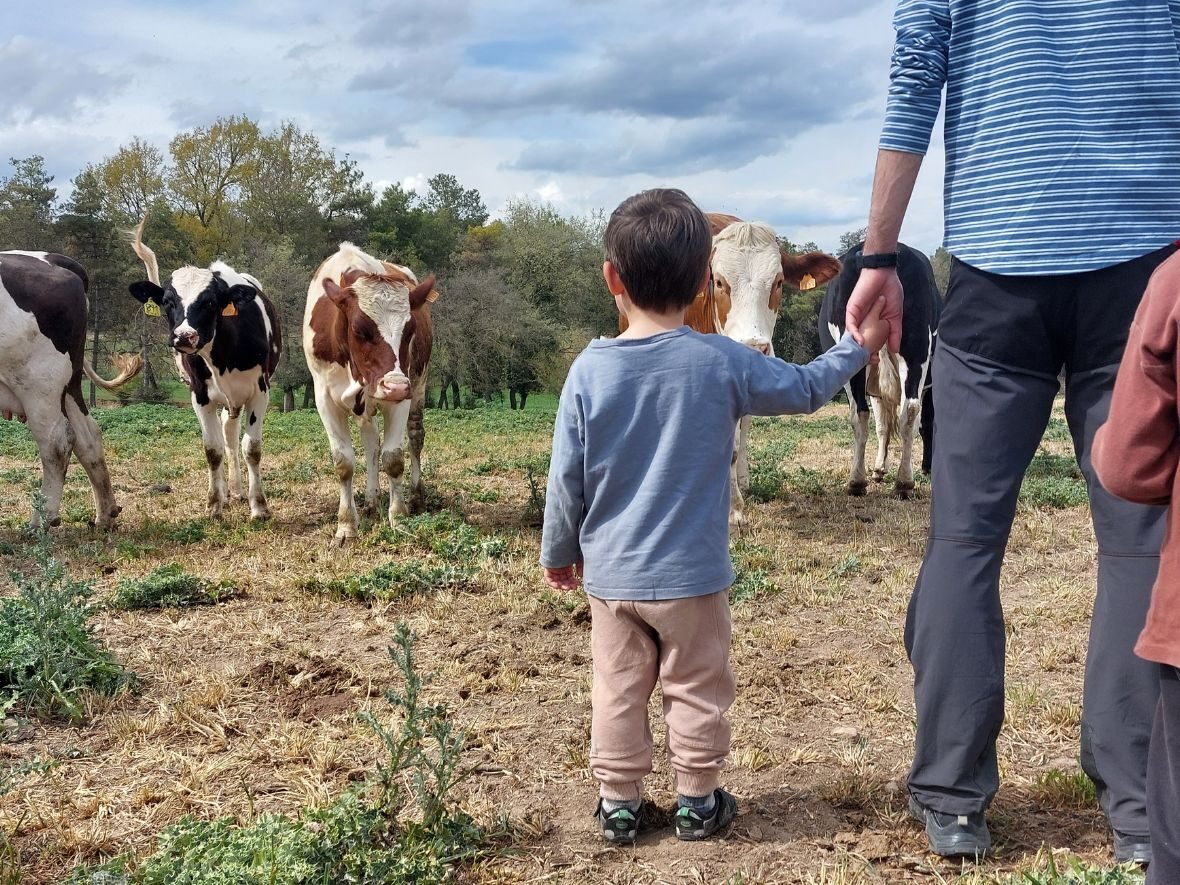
(564, 502)
(1135, 451)
(775, 387)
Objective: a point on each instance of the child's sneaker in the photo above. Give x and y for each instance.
(690, 826)
(620, 826)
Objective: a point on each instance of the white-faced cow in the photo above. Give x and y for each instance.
(749, 268)
(367, 335)
(43, 308)
(225, 334)
(899, 384)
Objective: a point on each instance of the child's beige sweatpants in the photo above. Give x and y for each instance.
(684, 645)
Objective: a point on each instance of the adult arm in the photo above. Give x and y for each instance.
(916, 79)
(1137, 449)
(564, 497)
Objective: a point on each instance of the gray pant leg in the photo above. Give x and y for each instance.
(1121, 690)
(987, 425)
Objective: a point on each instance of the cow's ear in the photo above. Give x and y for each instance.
(338, 295)
(145, 291)
(421, 293)
(818, 266)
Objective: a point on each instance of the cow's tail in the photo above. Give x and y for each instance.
(128, 365)
(146, 255)
(889, 388)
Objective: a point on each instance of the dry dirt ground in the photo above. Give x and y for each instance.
(251, 705)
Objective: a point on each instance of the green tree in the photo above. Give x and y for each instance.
(27, 206)
(284, 278)
(941, 262)
(556, 263)
(211, 167)
(850, 239)
(132, 180)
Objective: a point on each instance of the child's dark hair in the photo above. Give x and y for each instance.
(659, 241)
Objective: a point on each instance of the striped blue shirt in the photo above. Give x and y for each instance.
(1062, 126)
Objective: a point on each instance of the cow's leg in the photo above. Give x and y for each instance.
(743, 454)
(335, 421)
(393, 460)
(884, 421)
(213, 436)
(371, 441)
(858, 417)
(737, 504)
(912, 384)
(88, 448)
(416, 431)
(50, 428)
(252, 441)
(230, 423)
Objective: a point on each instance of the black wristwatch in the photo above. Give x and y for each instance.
(880, 259)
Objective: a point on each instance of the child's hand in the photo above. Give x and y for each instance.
(874, 329)
(566, 578)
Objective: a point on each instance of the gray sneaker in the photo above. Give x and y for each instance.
(951, 835)
(620, 826)
(1132, 849)
(691, 827)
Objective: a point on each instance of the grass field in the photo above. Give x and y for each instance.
(248, 704)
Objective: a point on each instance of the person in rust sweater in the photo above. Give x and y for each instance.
(1135, 456)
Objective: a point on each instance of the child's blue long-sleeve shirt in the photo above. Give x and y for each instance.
(639, 477)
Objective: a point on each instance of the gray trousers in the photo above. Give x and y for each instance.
(993, 394)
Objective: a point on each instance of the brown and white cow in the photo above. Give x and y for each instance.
(749, 270)
(43, 308)
(367, 335)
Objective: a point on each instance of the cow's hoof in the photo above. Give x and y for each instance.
(903, 490)
(858, 487)
(214, 511)
(369, 505)
(737, 520)
(260, 514)
(342, 539)
(878, 475)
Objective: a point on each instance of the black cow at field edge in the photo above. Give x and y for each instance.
(900, 385)
(225, 334)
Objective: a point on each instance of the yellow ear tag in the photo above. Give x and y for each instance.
(230, 310)
(433, 296)
(807, 283)
(151, 308)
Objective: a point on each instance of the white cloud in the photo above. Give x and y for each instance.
(766, 109)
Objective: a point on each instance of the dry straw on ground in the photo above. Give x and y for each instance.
(250, 705)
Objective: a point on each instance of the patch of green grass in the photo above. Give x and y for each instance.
(767, 475)
(169, 587)
(1073, 872)
(752, 564)
(444, 534)
(1059, 789)
(392, 580)
(401, 826)
(50, 658)
(1053, 481)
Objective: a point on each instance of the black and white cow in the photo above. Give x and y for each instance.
(226, 338)
(43, 310)
(899, 385)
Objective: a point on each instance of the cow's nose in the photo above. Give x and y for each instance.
(759, 344)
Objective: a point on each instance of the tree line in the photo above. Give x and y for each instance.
(522, 294)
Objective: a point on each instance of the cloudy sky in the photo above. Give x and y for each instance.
(768, 110)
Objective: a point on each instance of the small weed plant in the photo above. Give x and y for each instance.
(50, 658)
(444, 534)
(392, 580)
(169, 586)
(401, 826)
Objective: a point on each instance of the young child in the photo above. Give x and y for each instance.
(639, 492)
(1135, 456)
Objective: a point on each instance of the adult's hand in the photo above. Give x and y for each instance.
(876, 283)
